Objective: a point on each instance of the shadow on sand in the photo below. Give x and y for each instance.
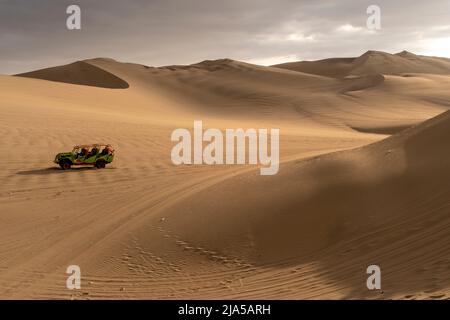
(56, 170)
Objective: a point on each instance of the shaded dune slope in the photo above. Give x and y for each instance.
(386, 204)
(81, 73)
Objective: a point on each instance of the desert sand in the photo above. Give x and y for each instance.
(364, 179)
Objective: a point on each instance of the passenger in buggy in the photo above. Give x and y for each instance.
(93, 152)
(82, 153)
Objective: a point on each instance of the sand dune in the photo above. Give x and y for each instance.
(384, 204)
(372, 62)
(347, 195)
(226, 88)
(79, 72)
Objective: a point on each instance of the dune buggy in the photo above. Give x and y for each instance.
(98, 155)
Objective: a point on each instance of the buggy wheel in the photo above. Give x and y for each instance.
(100, 164)
(65, 165)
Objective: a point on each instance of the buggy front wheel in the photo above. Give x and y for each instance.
(65, 165)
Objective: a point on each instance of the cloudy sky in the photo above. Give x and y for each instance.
(33, 34)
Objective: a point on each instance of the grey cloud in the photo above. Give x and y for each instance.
(33, 33)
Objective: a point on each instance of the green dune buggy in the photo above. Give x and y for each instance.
(98, 155)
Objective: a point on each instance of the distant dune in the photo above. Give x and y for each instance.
(80, 72)
(363, 180)
(372, 62)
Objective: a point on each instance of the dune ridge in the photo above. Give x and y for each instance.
(372, 62)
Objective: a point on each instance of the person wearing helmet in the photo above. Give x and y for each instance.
(107, 150)
(83, 153)
(93, 152)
